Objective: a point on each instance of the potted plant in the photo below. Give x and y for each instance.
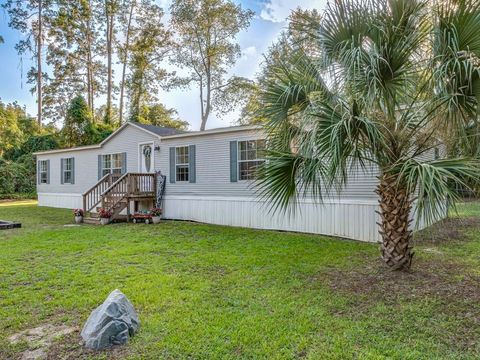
(78, 213)
(105, 216)
(156, 213)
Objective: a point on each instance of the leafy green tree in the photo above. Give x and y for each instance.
(77, 129)
(150, 45)
(159, 115)
(301, 34)
(10, 132)
(75, 56)
(379, 97)
(206, 32)
(33, 144)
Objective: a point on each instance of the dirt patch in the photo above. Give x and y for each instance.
(446, 281)
(59, 342)
(39, 339)
(447, 231)
(71, 347)
(449, 287)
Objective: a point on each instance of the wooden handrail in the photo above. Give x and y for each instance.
(115, 184)
(93, 196)
(94, 186)
(128, 185)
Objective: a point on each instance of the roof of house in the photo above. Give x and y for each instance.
(161, 132)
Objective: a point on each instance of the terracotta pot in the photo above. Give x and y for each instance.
(156, 219)
(104, 221)
(78, 219)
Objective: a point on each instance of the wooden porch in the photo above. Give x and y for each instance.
(116, 194)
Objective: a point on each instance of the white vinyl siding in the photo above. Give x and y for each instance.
(209, 195)
(250, 156)
(86, 161)
(182, 163)
(213, 176)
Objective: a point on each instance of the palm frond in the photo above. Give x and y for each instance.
(434, 182)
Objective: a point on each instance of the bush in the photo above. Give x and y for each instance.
(17, 179)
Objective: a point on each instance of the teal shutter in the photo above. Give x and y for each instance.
(48, 171)
(233, 161)
(100, 170)
(191, 164)
(172, 165)
(73, 171)
(124, 163)
(61, 171)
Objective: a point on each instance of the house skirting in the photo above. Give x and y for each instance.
(60, 200)
(351, 219)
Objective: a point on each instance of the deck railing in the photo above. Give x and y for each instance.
(93, 196)
(109, 194)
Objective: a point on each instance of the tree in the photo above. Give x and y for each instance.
(112, 9)
(10, 131)
(74, 56)
(151, 44)
(126, 20)
(393, 78)
(301, 35)
(251, 113)
(78, 123)
(206, 30)
(29, 17)
(159, 115)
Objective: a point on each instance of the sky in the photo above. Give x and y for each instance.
(268, 22)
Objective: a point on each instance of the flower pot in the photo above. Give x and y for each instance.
(78, 219)
(156, 219)
(104, 221)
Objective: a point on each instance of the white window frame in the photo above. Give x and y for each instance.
(187, 164)
(64, 160)
(111, 168)
(239, 161)
(43, 171)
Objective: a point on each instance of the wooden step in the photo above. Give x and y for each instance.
(91, 220)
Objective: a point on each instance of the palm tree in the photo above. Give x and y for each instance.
(392, 79)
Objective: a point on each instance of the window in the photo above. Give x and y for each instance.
(181, 163)
(67, 175)
(112, 164)
(43, 168)
(250, 156)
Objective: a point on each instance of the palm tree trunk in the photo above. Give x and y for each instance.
(395, 208)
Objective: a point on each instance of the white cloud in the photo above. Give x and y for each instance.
(249, 52)
(165, 4)
(279, 10)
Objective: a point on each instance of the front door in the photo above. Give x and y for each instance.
(146, 158)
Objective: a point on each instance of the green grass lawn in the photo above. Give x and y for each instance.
(214, 292)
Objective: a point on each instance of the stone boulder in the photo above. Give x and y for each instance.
(112, 323)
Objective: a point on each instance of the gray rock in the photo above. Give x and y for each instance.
(112, 323)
